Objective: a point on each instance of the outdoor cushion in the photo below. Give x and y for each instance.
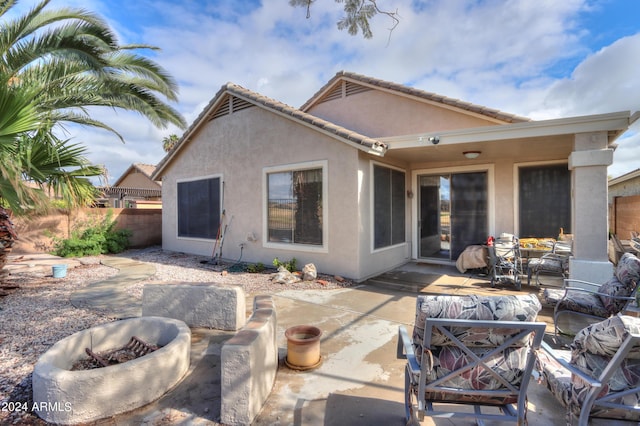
(549, 264)
(576, 301)
(591, 351)
(445, 356)
(627, 274)
(628, 268)
(473, 307)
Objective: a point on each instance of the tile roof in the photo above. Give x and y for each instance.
(307, 118)
(277, 107)
(410, 91)
(147, 169)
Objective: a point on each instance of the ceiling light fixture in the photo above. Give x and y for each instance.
(472, 154)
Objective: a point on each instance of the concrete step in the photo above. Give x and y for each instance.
(396, 285)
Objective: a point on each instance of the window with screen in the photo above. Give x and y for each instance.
(199, 208)
(389, 206)
(295, 206)
(545, 201)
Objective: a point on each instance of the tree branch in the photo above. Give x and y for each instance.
(358, 13)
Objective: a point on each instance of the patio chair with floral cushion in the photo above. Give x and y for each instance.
(470, 350)
(600, 375)
(554, 263)
(596, 301)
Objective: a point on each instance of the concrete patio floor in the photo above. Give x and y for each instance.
(360, 380)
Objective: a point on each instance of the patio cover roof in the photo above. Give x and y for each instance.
(418, 147)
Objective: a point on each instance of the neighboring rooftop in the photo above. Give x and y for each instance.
(631, 175)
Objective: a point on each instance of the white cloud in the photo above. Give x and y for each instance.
(527, 58)
(605, 81)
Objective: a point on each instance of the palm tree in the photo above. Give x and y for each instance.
(54, 64)
(169, 142)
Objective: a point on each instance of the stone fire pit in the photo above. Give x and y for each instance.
(68, 397)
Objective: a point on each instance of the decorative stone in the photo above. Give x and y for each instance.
(309, 272)
(284, 277)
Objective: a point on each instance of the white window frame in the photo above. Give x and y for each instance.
(294, 167)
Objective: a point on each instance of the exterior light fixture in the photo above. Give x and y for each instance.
(472, 154)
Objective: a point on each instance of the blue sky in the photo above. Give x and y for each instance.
(541, 59)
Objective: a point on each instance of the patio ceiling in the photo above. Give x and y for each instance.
(491, 151)
(545, 139)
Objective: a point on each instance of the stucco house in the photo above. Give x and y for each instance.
(369, 174)
(135, 189)
(626, 185)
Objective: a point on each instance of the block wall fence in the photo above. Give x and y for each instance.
(35, 233)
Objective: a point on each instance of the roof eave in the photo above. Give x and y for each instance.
(616, 123)
(198, 122)
(419, 95)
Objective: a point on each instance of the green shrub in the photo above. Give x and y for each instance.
(92, 238)
(289, 266)
(255, 268)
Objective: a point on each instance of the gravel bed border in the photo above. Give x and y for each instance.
(39, 313)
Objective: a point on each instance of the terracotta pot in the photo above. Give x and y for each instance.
(303, 347)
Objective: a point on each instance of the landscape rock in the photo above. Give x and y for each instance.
(309, 272)
(284, 277)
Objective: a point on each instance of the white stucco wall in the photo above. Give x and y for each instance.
(372, 261)
(379, 114)
(238, 147)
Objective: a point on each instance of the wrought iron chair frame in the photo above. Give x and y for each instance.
(416, 385)
(558, 257)
(597, 383)
(593, 287)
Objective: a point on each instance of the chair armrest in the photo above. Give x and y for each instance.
(594, 286)
(562, 247)
(554, 256)
(405, 350)
(573, 370)
(586, 290)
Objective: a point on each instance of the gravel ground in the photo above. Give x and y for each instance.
(38, 313)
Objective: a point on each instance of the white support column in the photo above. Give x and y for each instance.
(588, 162)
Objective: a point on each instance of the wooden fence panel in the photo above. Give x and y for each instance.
(626, 216)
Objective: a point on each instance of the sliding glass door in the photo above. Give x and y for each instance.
(453, 213)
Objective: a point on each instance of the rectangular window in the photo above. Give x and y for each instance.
(199, 208)
(545, 201)
(388, 206)
(295, 206)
